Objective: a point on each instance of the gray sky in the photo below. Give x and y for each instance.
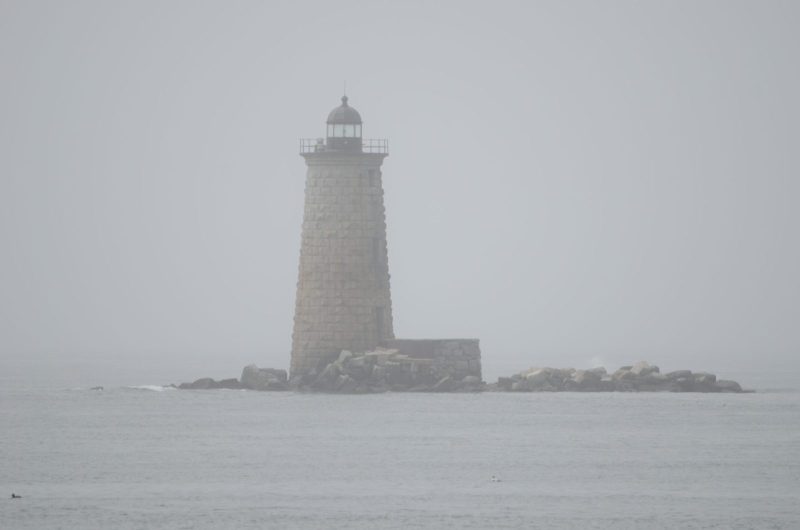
(570, 182)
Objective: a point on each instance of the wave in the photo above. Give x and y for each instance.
(152, 388)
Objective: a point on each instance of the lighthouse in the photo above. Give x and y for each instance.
(343, 300)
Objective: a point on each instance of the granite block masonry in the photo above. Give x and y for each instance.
(456, 358)
(343, 298)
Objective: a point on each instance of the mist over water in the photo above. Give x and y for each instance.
(26, 374)
(566, 181)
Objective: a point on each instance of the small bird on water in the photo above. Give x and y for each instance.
(495, 479)
(15, 496)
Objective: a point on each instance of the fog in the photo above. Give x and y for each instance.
(574, 183)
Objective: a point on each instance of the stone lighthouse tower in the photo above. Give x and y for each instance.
(343, 300)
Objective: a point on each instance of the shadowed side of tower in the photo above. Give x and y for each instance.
(343, 298)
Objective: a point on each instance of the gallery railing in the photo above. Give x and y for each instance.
(317, 145)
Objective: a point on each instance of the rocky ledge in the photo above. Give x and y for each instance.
(206, 383)
(253, 378)
(383, 370)
(641, 377)
(386, 370)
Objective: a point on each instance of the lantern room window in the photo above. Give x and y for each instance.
(344, 130)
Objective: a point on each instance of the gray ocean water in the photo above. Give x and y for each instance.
(133, 458)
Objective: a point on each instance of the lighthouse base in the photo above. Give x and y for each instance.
(399, 365)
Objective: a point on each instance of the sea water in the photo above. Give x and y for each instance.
(150, 457)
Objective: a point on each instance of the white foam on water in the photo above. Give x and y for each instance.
(154, 388)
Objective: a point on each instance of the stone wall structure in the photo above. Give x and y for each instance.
(343, 298)
(457, 358)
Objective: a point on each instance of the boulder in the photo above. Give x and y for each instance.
(623, 374)
(443, 385)
(600, 371)
(250, 376)
(704, 377)
(653, 378)
(356, 362)
(231, 383)
(679, 374)
(379, 356)
(641, 377)
(560, 375)
(344, 356)
(255, 378)
(643, 368)
(200, 384)
(345, 384)
(585, 376)
(398, 375)
(470, 383)
(329, 379)
(704, 382)
(538, 377)
(505, 383)
(724, 385)
(681, 384)
(378, 374)
(584, 381)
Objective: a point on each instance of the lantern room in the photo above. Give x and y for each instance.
(344, 128)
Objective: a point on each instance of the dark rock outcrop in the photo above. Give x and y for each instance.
(206, 383)
(255, 378)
